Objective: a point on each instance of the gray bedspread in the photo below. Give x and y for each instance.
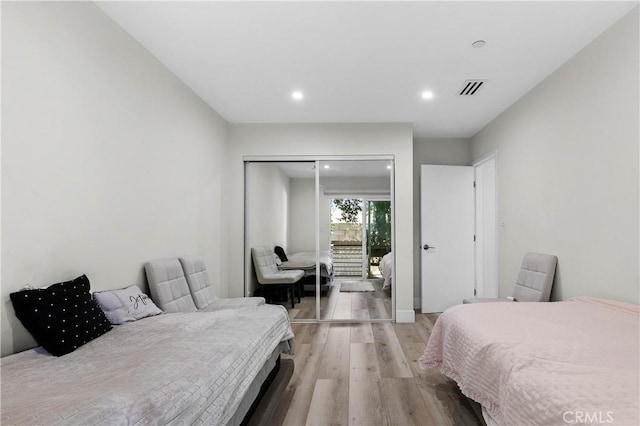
(180, 368)
(306, 260)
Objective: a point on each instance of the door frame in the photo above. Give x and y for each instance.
(491, 155)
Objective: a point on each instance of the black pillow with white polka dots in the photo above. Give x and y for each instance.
(61, 317)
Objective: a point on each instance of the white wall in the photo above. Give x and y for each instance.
(302, 216)
(267, 209)
(108, 160)
(568, 170)
(434, 151)
(322, 140)
(355, 185)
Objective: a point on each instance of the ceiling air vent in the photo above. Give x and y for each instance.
(471, 87)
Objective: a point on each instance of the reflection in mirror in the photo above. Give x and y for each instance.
(280, 201)
(355, 212)
(352, 279)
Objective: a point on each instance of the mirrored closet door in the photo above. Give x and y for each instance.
(328, 226)
(355, 205)
(280, 235)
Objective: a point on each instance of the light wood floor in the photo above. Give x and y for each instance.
(367, 374)
(340, 305)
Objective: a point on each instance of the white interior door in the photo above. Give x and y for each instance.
(486, 229)
(447, 229)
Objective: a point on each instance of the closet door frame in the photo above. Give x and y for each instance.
(317, 159)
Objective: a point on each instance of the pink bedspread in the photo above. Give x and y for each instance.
(571, 362)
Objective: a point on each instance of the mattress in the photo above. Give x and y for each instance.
(543, 363)
(179, 368)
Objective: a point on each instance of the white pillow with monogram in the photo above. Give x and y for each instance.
(125, 305)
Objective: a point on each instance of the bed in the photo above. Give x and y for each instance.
(386, 269)
(543, 363)
(178, 368)
(306, 261)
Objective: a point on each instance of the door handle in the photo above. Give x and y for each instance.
(427, 247)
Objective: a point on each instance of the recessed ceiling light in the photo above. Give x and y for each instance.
(326, 166)
(389, 167)
(427, 94)
(297, 95)
(478, 43)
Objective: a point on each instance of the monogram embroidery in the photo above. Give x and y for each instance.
(137, 299)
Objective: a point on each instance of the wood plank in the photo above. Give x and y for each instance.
(391, 358)
(305, 309)
(362, 332)
(426, 322)
(330, 403)
(298, 330)
(310, 333)
(434, 379)
(267, 411)
(423, 327)
(431, 318)
(307, 363)
(447, 404)
(359, 301)
(363, 361)
(343, 306)
(366, 404)
(408, 333)
(335, 358)
(320, 333)
(413, 351)
(406, 405)
(386, 302)
(328, 303)
(377, 309)
(293, 313)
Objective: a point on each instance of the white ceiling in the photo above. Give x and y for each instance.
(364, 61)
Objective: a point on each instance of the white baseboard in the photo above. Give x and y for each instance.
(405, 316)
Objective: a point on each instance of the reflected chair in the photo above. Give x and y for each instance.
(534, 282)
(270, 277)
